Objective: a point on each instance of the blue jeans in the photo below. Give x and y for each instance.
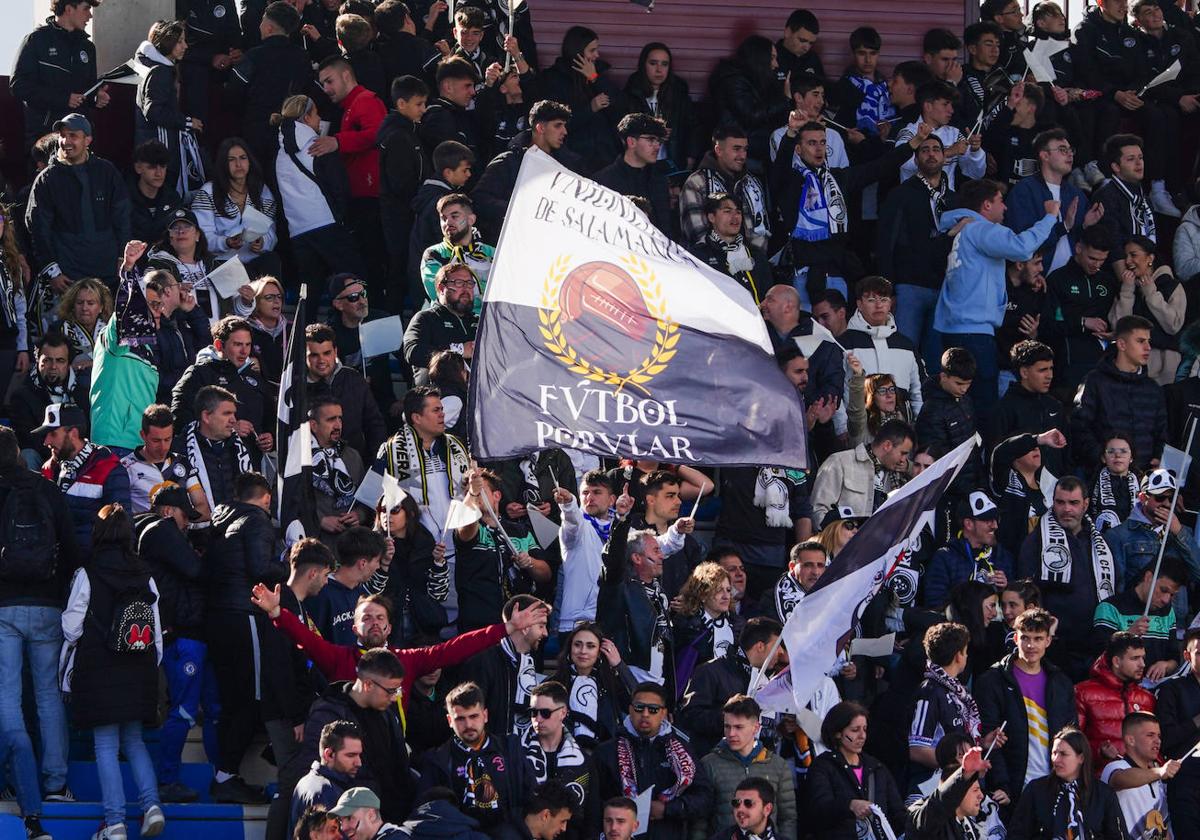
(1006, 378)
(914, 320)
(111, 740)
(16, 756)
(191, 686)
(986, 384)
(34, 634)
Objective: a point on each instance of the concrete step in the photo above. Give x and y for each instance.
(78, 821)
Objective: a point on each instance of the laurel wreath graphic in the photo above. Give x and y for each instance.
(666, 335)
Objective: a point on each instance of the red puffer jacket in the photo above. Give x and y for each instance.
(1102, 703)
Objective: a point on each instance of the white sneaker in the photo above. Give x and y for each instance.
(1161, 201)
(116, 831)
(1093, 174)
(153, 821)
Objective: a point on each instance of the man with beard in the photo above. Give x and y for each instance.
(911, 250)
(976, 556)
(226, 362)
(333, 773)
(1075, 569)
(507, 673)
(362, 423)
(337, 470)
(212, 445)
(649, 751)
(332, 611)
(723, 170)
(461, 243)
(556, 758)
(53, 380)
(349, 310)
(753, 812)
(90, 476)
(489, 773)
(448, 324)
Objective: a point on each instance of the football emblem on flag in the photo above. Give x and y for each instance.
(604, 315)
(607, 321)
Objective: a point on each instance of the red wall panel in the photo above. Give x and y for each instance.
(700, 32)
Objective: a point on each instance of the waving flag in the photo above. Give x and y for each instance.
(294, 436)
(822, 624)
(600, 334)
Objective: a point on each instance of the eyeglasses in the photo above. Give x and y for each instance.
(154, 304)
(458, 284)
(545, 714)
(1117, 450)
(648, 708)
(353, 297)
(745, 803)
(390, 692)
(652, 139)
(875, 300)
(886, 390)
(1062, 150)
(272, 296)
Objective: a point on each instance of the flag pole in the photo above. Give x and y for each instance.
(1162, 545)
(772, 652)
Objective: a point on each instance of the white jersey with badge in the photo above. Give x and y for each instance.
(145, 477)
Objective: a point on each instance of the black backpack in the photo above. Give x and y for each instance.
(132, 627)
(28, 539)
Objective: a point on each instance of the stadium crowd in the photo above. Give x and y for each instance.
(956, 245)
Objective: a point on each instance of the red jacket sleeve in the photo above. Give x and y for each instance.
(361, 124)
(421, 661)
(336, 662)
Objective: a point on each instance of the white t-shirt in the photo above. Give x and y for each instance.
(1144, 807)
(1062, 249)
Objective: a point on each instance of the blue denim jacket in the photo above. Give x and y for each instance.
(1135, 546)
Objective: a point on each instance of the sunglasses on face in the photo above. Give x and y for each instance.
(545, 714)
(850, 526)
(353, 297)
(745, 803)
(647, 708)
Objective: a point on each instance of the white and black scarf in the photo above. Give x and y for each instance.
(195, 454)
(331, 477)
(9, 287)
(533, 488)
(407, 461)
(787, 595)
(1105, 509)
(752, 198)
(584, 704)
(722, 632)
(68, 470)
(738, 258)
(1140, 214)
(479, 789)
(958, 695)
(82, 344)
(60, 393)
(937, 195)
(768, 833)
(526, 680)
(1068, 816)
(771, 493)
(1056, 557)
(822, 211)
(662, 623)
(568, 755)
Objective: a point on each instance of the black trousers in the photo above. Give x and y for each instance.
(367, 229)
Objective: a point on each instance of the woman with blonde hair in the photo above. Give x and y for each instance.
(837, 529)
(315, 193)
(14, 329)
(83, 311)
(705, 626)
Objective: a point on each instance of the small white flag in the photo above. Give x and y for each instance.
(460, 516)
(543, 527)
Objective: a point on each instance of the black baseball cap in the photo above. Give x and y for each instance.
(170, 493)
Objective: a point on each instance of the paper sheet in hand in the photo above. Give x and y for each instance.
(883, 646)
(228, 277)
(256, 224)
(1038, 59)
(1047, 483)
(391, 492)
(370, 489)
(543, 527)
(1163, 77)
(460, 516)
(643, 811)
(1177, 461)
(928, 786)
(385, 335)
(122, 74)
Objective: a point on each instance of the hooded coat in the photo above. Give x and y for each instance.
(1101, 704)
